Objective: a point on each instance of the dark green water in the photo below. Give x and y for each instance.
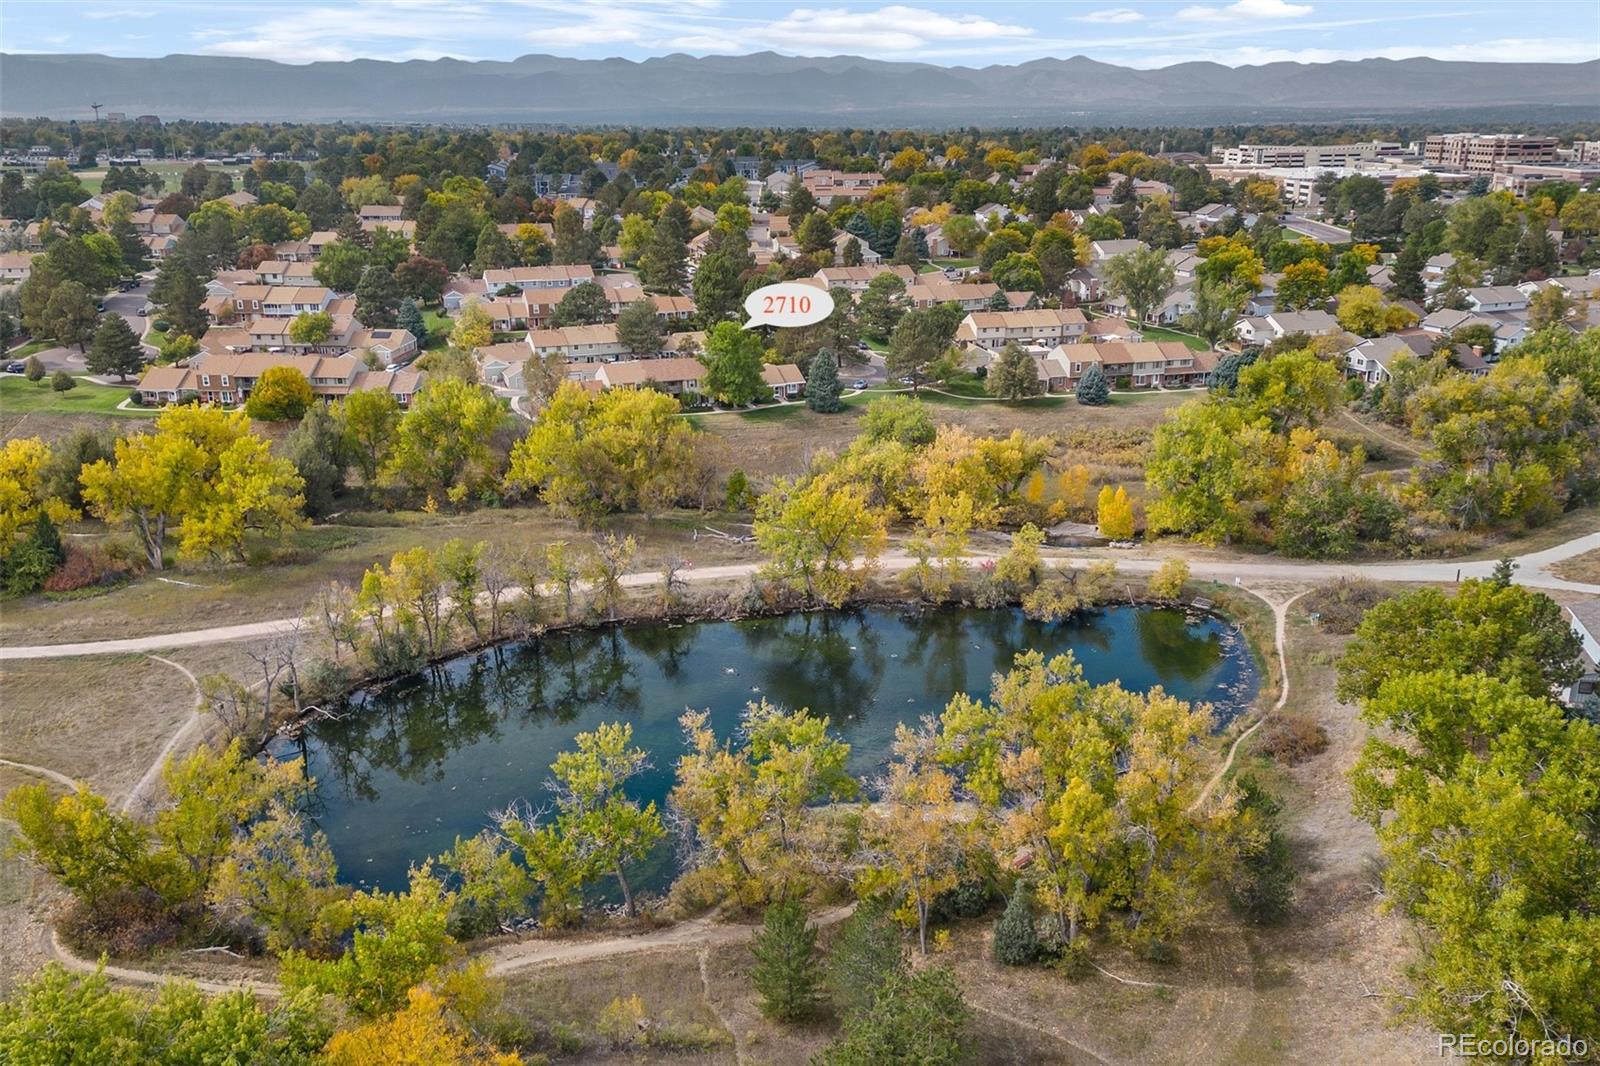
(405, 771)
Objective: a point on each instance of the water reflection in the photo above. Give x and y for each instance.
(401, 772)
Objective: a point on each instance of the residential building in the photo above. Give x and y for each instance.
(227, 378)
(1484, 153)
(579, 344)
(537, 277)
(1142, 364)
(931, 290)
(1045, 328)
(856, 278)
(1322, 156)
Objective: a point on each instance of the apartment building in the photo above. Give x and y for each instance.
(227, 378)
(991, 330)
(1484, 153)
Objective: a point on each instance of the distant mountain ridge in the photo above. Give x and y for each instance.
(769, 88)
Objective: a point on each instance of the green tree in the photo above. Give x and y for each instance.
(410, 319)
(341, 266)
(377, 297)
(311, 328)
(919, 340)
(608, 828)
(1142, 277)
(369, 421)
(812, 532)
(1211, 463)
(1013, 375)
(716, 286)
(1216, 310)
(70, 315)
(61, 381)
(903, 419)
(664, 265)
(868, 951)
(918, 1019)
(822, 384)
(640, 328)
(733, 361)
(116, 348)
(882, 304)
(320, 454)
(1291, 389)
(1016, 935)
(584, 304)
(443, 443)
(1304, 284)
(785, 971)
(1093, 390)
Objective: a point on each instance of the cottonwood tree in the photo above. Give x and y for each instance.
(1013, 375)
(812, 532)
(603, 568)
(443, 443)
(1142, 277)
(609, 830)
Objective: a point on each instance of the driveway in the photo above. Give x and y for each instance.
(127, 305)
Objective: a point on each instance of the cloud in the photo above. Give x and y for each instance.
(1111, 16)
(895, 28)
(1503, 50)
(120, 13)
(1245, 9)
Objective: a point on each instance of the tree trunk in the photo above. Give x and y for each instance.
(922, 925)
(627, 893)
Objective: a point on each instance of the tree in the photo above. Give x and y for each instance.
(1216, 310)
(733, 361)
(370, 421)
(311, 328)
(882, 304)
(1016, 935)
(664, 265)
(918, 1019)
(716, 286)
(919, 340)
(606, 827)
(377, 297)
(201, 472)
(585, 304)
(61, 381)
(593, 454)
(473, 329)
(1550, 306)
(422, 278)
(1304, 284)
(421, 1032)
(867, 952)
(785, 970)
(282, 394)
(341, 266)
(1114, 513)
(1093, 390)
(1504, 631)
(1362, 310)
(1291, 389)
(1013, 375)
(410, 319)
(822, 384)
(180, 297)
(116, 348)
(812, 531)
(914, 842)
(640, 329)
(70, 315)
(493, 250)
(1167, 582)
(443, 443)
(1112, 824)
(1142, 277)
(320, 454)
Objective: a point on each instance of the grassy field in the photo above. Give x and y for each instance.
(171, 172)
(439, 328)
(1585, 568)
(31, 348)
(19, 396)
(1156, 333)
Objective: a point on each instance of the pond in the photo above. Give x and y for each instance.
(403, 771)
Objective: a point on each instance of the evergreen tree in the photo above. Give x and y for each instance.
(116, 348)
(905, 249)
(822, 384)
(917, 1019)
(869, 952)
(785, 972)
(181, 298)
(852, 252)
(411, 320)
(665, 262)
(1016, 940)
(1092, 389)
(377, 297)
(1226, 374)
(1013, 376)
(640, 328)
(585, 304)
(493, 250)
(1406, 273)
(999, 301)
(1262, 888)
(318, 450)
(135, 256)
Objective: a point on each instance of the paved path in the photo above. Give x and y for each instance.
(1533, 570)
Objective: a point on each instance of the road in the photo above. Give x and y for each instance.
(1533, 569)
(127, 305)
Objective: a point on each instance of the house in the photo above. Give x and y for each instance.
(1206, 218)
(1100, 251)
(227, 378)
(856, 278)
(1433, 271)
(15, 267)
(1045, 328)
(240, 199)
(985, 212)
(1177, 303)
(1110, 330)
(458, 292)
(285, 272)
(674, 308)
(676, 375)
(537, 277)
(938, 244)
(1142, 364)
(1373, 359)
(579, 344)
(405, 227)
(841, 241)
(1496, 298)
(931, 290)
(785, 380)
(1445, 320)
(379, 212)
(283, 300)
(149, 221)
(1252, 330)
(832, 186)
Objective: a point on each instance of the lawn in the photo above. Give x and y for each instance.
(439, 328)
(18, 396)
(1156, 333)
(31, 348)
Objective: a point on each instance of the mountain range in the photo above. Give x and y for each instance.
(768, 88)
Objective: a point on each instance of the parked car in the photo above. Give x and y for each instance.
(859, 383)
(143, 311)
(16, 367)
(101, 306)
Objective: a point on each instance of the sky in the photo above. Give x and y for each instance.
(944, 32)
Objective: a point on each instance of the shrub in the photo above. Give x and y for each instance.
(33, 370)
(1016, 940)
(868, 951)
(162, 325)
(86, 568)
(1291, 738)
(1339, 607)
(1262, 886)
(61, 381)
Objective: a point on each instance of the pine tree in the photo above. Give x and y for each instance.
(852, 252)
(905, 249)
(115, 349)
(377, 297)
(1406, 274)
(869, 951)
(411, 320)
(822, 384)
(1013, 375)
(181, 298)
(999, 301)
(1092, 388)
(785, 972)
(1016, 940)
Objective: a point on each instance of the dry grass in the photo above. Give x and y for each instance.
(102, 720)
(1585, 568)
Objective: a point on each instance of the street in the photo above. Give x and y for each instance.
(127, 305)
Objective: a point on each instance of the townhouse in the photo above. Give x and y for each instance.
(1043, 328)
(227, 378)
(579, 344)
(537, 277)
(1256, 331)
(856, 279)
(15, 267)
(931, 290)
(1138, 364)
